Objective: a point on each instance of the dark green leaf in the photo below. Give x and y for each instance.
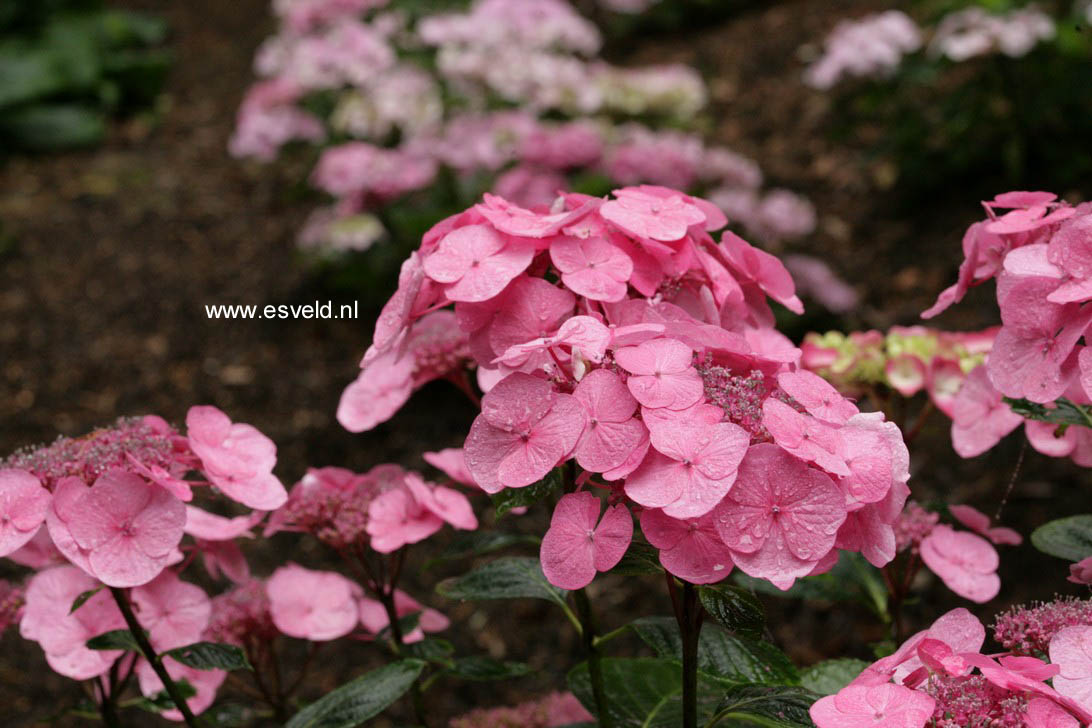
(768, 706)
(406, 624)
(118, 639)
(640, 558)
(1067, 538)
(365, 697)
(644, 692)
(723, 656)
(162, 700)
(1063, 412)
(510, 498)
(210, 656)
(851, 579)
(432, 650)
(827, 678)
(735, 608)
(511, 577)
(480, 667)
(82, 598)
(57, 126)
(479, 543)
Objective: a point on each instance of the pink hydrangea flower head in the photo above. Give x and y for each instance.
(647, 215)
(1071, 651)
(612, 433)
(449, 505)
(817, 396)
(592, 267)
(805, 437)
(240, 616)
(312, 605)
(397, 518)
(374, 617)
(1028, 630)
(524, 430)
(906, 373)
(23, 506)
(173, 612)
(128, 528)
(237, 457)
(690, 549)
(868, 706)
(979, 416)
(476, 262)
(693, 465)
(204, 682)
(380, 390)
(781, 516)
(451, 462)
(967, 563)
(578, 543)
(663, 375)
(763, 269)
(979, 522)
(210, 527)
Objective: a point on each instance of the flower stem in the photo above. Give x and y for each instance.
(107, 708)
(122, 599)
(689, 616)
(595, 666)
(386, 596)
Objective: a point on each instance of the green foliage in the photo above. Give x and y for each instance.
(1067, 538)
(510, 498)
(162, 700)
(640, 558)
(365, 697)
(827, 678)
(82, 598)
(766, 706)
(481, 668)
(117, 639)
(511, 577)
(479, 543)
(210, 656)
(435, 650)
(1063, 412)
(852, 579)
(735, 608)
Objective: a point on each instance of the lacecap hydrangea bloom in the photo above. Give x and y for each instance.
(617, 336)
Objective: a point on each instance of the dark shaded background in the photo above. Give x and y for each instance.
(110, 255)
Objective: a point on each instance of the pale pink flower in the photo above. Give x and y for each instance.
(174, 613)
(1071, 650)
(806, 437)
(648, 215)
(578, 543)
(906, 373)
(781, 516)
(23, 506)
(374, 617)
(943, 381)
(476, 262)
(524, 430)
(519, 221)
(1081, 572)
(237, 458)
(397, 518)
(960, 630)
(63, 636)
(867, 706)
(204, 682)
(979, 522)
(128, 528)
(979, 416)
(965, 562)
(312, 605)
(691, 468)
(765, 270)
(817, 396)
(452, 463)
(450, 505)
(663, 375)
(592, 267)
(1044, 713)
(612, 433)
(39, 552)
(690, 549)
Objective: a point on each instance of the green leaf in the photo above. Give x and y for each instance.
(761, 705)
(82, 598)
(482, 668)
(512, 577)
(118, 639)
(827, 678)
(510, 498)
(1067, 538)
(406, 624)
(1063, 412)
(162, 700)
(478, 543)
(640, 558)
(432, 650)
(735, 608)
(210, 656)
(57, 126)
(644, 692)
(723, 656)
(365, 697)
(851, 579)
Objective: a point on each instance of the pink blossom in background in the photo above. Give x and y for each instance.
(23, 506)
(173, 612)
(979, 417)
(979, 522)
(374, 618)
(452, 463)
(413, 512)
(578, 543)
(816, 281)
(965, 562)
(312, 605)
(974, 31)
(551, 711)
(237, 457)
(204, 682)
(1081, 572)
(872, 46)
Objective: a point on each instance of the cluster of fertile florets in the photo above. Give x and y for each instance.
(477, 110)
(1028, 630)
(940, 677)
(617, 335)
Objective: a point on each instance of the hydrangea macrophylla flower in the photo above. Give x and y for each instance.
(979, 416)
(1071, 650)
(174, 613)
(1081, 572)
(979, 522)
(204, 682)
(23, 506)
(960, 630)
(524, 430)
(817, 396)
(692, 466)
(690, 549)
(238, 459)
(415, 511)
(781, 516)
(612, 433)
(476, 262)
(806, 437)
(592, 267)
(128, 528)
(648, 215)
(312, 605)
(866, 706)
(452, 463)
(765, 270)
(663, 375)
(1045, 713)
(374, 617)
(967, 563)
(63, 635)
(578, 543)
(39, 552)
